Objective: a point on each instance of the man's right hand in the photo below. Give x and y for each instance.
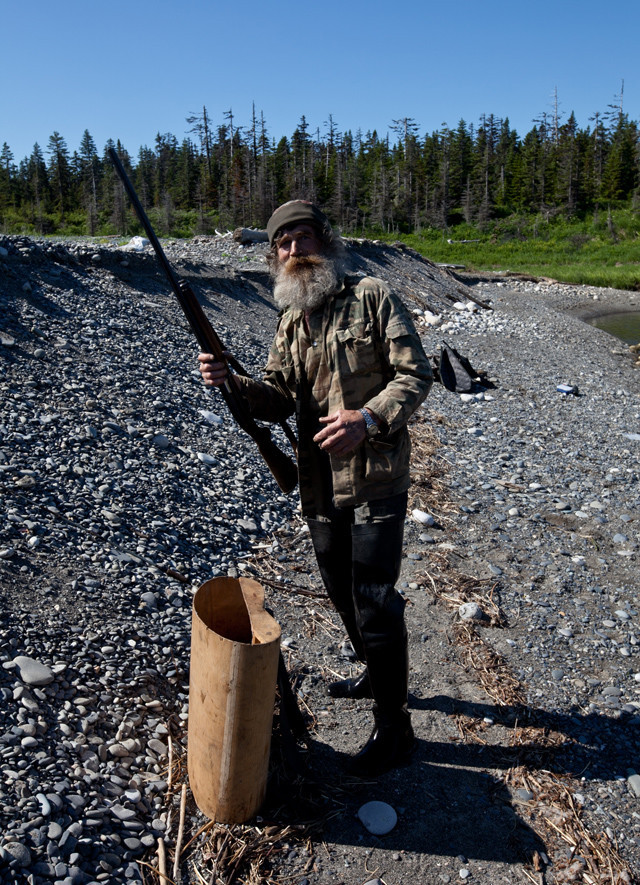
(214, 373)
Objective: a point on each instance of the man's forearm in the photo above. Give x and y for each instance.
(265, 400)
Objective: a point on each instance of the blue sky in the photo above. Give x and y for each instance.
(127, 70)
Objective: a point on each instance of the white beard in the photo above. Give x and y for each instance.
(305, 282)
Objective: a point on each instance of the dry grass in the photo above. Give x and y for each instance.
(591, 857)
(429, 470)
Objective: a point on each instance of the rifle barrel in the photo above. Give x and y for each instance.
(281, 466)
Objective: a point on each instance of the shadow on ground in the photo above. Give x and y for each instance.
(450, 799)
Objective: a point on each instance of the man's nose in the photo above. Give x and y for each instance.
(295, 248)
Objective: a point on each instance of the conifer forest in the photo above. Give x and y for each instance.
(225, 174)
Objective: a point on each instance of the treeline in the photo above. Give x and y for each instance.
(224, 175)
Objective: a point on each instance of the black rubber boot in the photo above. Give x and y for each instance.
(354, 688)
(380, 618)
(392, 740)
(390, 745)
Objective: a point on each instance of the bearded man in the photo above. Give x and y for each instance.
(347, 361)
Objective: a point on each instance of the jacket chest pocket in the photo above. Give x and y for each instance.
(356, 349)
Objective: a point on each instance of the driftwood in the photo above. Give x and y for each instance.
(246, 235)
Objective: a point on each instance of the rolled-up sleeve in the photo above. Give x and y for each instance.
(409, 366)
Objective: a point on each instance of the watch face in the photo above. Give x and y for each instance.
(372, 430)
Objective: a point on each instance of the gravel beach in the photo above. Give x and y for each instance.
(124, 485)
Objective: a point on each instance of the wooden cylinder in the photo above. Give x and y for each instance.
(235, 646)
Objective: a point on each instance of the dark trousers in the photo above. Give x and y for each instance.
(359, 551)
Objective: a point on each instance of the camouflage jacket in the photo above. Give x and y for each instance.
(362, 350)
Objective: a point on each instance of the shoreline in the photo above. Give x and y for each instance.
(598, 314)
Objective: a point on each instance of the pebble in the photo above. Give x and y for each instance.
(471, 611)
(210, 417)
(45, 805)
(423, 518)
(19, 852)
(33, 672)
(377, 817)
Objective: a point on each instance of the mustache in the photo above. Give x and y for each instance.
(297, 263)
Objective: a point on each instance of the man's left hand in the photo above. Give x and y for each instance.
(343, 432)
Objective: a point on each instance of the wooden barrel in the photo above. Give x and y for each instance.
(235, 645)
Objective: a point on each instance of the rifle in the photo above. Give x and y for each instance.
(280, 465)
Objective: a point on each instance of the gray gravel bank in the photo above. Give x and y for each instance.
(124, 485)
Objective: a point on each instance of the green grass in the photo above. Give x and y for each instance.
(602, 250)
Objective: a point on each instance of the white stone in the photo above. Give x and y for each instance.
(471, 611)
(135, 244)
(210, 417)
(634, 784)
(377, 817)
(422, 517)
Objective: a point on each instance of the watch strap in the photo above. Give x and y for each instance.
(368, 420)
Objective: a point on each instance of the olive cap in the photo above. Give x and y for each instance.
(297, 212)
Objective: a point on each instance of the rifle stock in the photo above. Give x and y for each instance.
(281, 466)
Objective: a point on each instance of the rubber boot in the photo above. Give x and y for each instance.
(390, 746)
(377, 551)
(392, 740)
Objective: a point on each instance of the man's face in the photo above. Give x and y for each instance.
(298, 241)
(304, 276)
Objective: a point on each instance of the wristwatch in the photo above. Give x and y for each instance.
(372, 427)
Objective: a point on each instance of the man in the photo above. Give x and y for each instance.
(346, 359)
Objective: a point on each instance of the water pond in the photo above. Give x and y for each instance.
(625, 326)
